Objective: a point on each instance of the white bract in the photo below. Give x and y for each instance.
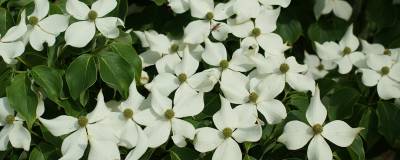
(11, 45)
(317, 68)
(343, 54)
(254, 95)
(378, 50)
(340, 8)
(296, 134)
(80, 33)
(42, 29)
(168, 118)
(90, 128)
(179, 6)
(233, 127)
(197, 31)
(285, 70)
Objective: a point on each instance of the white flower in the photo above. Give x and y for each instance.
(385, 74)
(168, 118)
(42, 29)
(245, 9)
(317, 68)
(125, 122)
(90, 128)
(11, 45)
(340, 8)
(285, 70)
(344, 54)
(378, 50)
(80, 33)
(197, 31)
(260, 31)
(232, 128)
(296, 134)
(179, 6)
(254, 95)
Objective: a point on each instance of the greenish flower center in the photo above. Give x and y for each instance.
(224, 64)
(182, 77)
(82, 121)
(253, 97)
(387, 52)
(169, 114)
(128, 113)
(256, 32)
(92, 15)
(227, 132)
(385, 70)
(174, 48)
(320, 67)
(346, 51)
(209, 16)
(10, 119)
(317, 129)
(33, 20)
(284, 68)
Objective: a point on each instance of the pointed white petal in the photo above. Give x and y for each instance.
(55, 24)
(189, 106)
(395, 72)
(179, 6)
(294, 66)
(61, 125)
(246, 9)
(272, 43)
(228, 150)
(164, 83)
(199, 9)
(74, 146)
(316, 111)
(103, 150)
(77, 9)
(108, 26)
(183, 128)
(160, 103)
(269, 87)
(20, 136)
(370, 77)
(318, 149)
(388, 89)
(300, 82)
(196, 32)
(38, 37)
(214, 53)
(328, 50)
(344, 64)
(225, 117)
(16, 32)
(241, 30)
(4, 139)
(246, 115)
(129, 135)
(273, 111)
(9, 51)
(100, 111)
(140, 148)
(266, 19)
(249, 134)
(340, 133)
(5, 109)
(149, 58)
(295, 135)
(349, 39)
(103, 7)
(188, 65)
(158, 42)
(41, 9)
(207, 139)
(204, 81)
(158, 133)
(234, 85)
(342, 9)
(79, 34)
(168, 63)
(220, 30)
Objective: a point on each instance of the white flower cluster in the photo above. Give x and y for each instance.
(248, 79)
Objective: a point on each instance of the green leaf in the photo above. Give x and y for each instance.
(327, 30)
(5, 79)
(160, 2)
(129, 54)
(36, 154)
(290, 31)
(49, 79)
(388, 124)
(341, 103)
(177, 153)
(369, 121)
(356, 150)
(80, 75)
(385, 17)
(116, 72)
(6, 21)
(22, 98)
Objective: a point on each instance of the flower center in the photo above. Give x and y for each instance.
(82, 121)
(317, 129)
(387, 52)
(227, 133)
(92, 15)
(385, 70)
(320, 67)
(253, 97)
(224, 64)
(10, 119)
(128, 113)
(33, 20)
(182, 77)
(256, 32)
(174, 48)
(209, 16)
(284, 68)
(169, 114)
(346, 51)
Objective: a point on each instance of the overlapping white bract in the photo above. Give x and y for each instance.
(141, 122)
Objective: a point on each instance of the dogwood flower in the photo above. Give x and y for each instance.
(125, 121)
(385, 74)
(197, 31)
(378, 50)
(168, 118)
(344, 54)
(340, 8)
(286, 70)
(317, 68)
(80, 33)
(11, 45)
(233, 127)
(90, 128)
(42, 29)
(254, 95)
(296, 134)
(244, 10)
(13, 130)
(179, 6)
(260, 31)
